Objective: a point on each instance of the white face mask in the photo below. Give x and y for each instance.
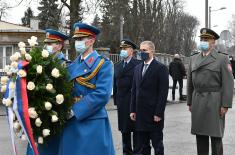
(49, 48)
(80, 46)
(123, 54)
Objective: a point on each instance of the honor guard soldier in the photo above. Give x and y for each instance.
(210, 93)
(88, 131)
(123, 75)
(54, 44)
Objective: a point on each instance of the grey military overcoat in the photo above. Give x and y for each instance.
(209, 87)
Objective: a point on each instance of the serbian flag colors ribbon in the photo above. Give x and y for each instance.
(22, 106)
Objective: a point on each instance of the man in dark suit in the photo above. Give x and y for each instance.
(148, 100)
(123, 75)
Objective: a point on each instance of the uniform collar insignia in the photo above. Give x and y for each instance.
(91, 59)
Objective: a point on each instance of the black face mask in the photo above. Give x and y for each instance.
(144, 56)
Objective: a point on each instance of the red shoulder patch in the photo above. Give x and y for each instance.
(230, 67)
(90, 60)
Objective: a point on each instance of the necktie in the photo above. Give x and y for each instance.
(144, 69)
(124, 65)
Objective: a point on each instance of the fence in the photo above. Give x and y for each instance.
(161, 57)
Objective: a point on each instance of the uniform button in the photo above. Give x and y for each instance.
(85, 70)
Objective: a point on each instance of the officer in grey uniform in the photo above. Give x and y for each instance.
(210, 93)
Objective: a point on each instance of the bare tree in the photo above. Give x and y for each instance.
(232, 27)
(6, 5)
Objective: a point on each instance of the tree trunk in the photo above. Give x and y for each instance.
(75, 16)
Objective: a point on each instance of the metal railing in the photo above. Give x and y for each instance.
(161, 57)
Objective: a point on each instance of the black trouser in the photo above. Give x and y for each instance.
(143, 143)
(180, 81)
(203, 145)
(126, 143)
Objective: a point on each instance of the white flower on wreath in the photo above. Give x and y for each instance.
(38, 122)
(30, 85)
(21, 44)
(28, 57)
(14, 64)
(7, 68)
(40, 140)
(49, 87)
(15, 57)
(32, 113)
(54, 118)
(7, 102)
(48, 105)
(17, 54)
(16, 125)
(55, 73)
(59, 98)
(33, 41)
(39, 69)
(4, 80)
(23, 51)
(3, 88)
(46, 132)
(22, 73)
(45, 53)
(12, 85)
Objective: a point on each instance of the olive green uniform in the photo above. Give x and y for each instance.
(209, 87)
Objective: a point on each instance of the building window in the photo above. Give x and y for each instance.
(5, 53)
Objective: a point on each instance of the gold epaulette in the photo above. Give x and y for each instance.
(83, 80)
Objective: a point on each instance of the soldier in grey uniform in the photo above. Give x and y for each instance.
(210, 92)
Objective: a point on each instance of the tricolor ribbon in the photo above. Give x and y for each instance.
(22, 106)
(9, 111)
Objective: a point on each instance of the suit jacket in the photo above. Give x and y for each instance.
(122, 93)
(149, 95)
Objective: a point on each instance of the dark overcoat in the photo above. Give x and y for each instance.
(149, 95)
(177, 69)
(123, 77)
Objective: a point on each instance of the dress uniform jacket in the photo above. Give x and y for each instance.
(51, 147)
(210, 87)
(122, 93)
(149, 95)
(89, 132)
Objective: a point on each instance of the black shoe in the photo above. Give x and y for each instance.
(182, 98)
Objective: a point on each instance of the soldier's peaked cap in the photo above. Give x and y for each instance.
(55, 36)
(208, 33)
(84, 30)
(128, 43)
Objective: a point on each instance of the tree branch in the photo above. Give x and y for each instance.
(66, 4)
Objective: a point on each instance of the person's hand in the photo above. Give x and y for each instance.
(133, 116)
(190, 108)
(223, 111)
(157, 119)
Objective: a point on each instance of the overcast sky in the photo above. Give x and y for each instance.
(220, 18)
